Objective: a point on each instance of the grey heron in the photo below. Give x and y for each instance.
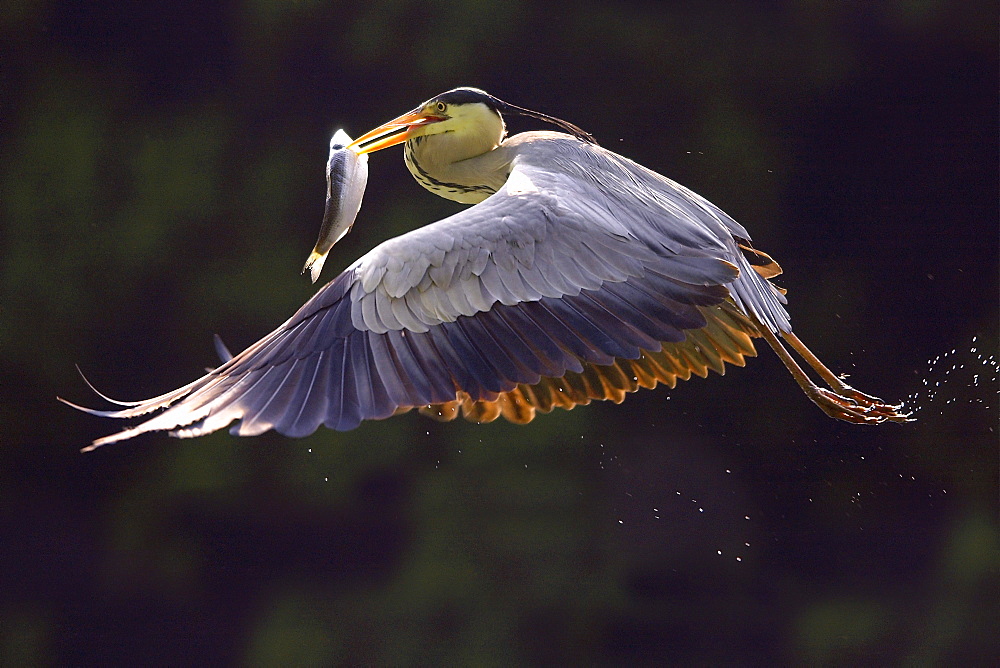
(578, 275)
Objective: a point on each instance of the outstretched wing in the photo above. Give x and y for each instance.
(567, 285)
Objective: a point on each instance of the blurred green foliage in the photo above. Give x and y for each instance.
(162, 181)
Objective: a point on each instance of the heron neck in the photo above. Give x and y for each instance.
(437, 164)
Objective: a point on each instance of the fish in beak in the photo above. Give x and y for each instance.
(346, 178)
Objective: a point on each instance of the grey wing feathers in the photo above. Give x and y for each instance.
(522, 246)
(544, 278)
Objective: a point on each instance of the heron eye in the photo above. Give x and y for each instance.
(441, 106)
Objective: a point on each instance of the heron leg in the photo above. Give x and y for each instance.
(831, 403)
(873, 404)
(835, 382)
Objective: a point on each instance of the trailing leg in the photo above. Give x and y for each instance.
(841, 401)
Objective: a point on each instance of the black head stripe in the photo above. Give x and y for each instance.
(473, 95)
(467, 96)
(577, 132)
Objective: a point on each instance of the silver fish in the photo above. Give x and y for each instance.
(346, 178)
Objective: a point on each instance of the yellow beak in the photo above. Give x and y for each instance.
(407, 124)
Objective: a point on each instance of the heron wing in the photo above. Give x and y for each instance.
(567, 285)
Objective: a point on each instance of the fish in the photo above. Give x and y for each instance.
(346, 179)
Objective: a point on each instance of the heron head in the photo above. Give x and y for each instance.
(469, 115)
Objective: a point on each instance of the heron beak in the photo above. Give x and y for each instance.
(404, 126)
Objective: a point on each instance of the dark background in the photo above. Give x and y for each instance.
(162, 180)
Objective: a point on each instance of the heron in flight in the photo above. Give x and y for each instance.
(578, 275)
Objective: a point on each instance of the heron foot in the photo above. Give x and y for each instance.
(891, 412)
(857, 407)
